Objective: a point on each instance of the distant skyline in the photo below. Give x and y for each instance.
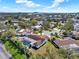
(51, 6)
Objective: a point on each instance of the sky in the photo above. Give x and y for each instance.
(55, 6)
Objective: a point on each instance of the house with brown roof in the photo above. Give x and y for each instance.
(33, 41)
(66, 43)
(40, 40)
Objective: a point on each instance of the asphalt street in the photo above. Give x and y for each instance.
(3, 52)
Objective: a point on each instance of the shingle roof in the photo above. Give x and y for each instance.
(65, 41)
(36, 37)
(29, 40)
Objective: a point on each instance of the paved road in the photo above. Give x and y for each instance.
(3, 53)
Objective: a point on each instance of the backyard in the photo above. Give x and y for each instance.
(42, 49)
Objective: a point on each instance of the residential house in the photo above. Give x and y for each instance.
(40, 22)
(69, 44)
(54, 31)
(66, 43)
(40, 40)
(36, 27)
(27, 42)
(15, 22)
(47, 33)
(26, 19)
(33, 41)
(25, 32)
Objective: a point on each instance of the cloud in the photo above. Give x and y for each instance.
(31, 4)
(28, 3)
(52, 10)
(56, 3)
(55, 6)
(5, 7)
(21, 1)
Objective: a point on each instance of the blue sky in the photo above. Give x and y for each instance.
(39, 6)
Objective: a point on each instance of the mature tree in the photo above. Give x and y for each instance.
(2, 26)
(9, 23)
(68, 26)
(49, 19)
(22, 24)
(46, 25)
(34, 21)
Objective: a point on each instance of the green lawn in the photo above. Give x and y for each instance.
(47, 44)
(16, 53)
